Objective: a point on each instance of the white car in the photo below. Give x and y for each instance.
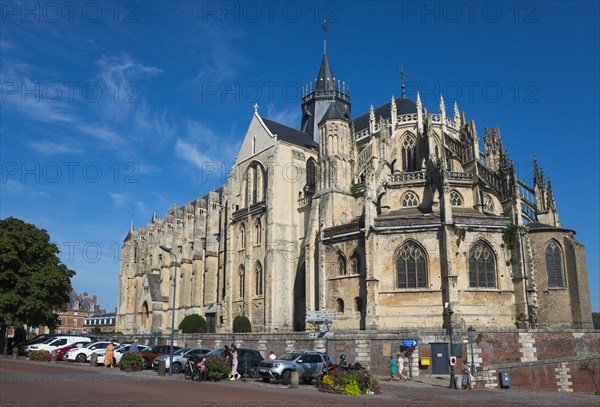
(56, 342)
(83, 354)
(119, 352)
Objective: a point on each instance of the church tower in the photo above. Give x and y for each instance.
(319, 95)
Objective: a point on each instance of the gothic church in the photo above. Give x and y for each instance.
(384, 217)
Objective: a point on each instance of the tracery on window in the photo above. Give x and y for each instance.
(554, 265)
(455, 199)
(482, 266)
(410, 200)
(411, 266)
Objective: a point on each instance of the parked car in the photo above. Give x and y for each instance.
(82, 354)
(36, 339)
(61, 351)
(308, 364)
(179, 358)
(56, 342)
(151, 352)
(248, 360)
(118, 354)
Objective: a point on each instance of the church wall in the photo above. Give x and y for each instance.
(557, 304)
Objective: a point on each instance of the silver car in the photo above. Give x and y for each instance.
(180, 358)
(308, 364)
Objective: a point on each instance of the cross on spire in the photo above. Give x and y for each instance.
(402, 76)
(324, 27)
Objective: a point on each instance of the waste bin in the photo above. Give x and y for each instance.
(505, 380)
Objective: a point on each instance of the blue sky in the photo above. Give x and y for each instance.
(113, 110)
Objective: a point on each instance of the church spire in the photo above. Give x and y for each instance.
(324, 26)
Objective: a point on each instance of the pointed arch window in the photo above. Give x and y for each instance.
(410, 200)
(241, 282)
(340, 305)
(355, 264)
(455, 199)
(488, 204)
(242, 236)
(311, 175)
(258, 232)
(411, 266)
(409, 154)
(482, 266)
(259, 279)
(341, 264)
(554, 265)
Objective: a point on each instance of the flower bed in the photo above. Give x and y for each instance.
(352, 383)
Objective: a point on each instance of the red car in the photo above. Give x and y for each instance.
(61, 351)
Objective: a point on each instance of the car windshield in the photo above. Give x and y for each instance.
(289, 356)
(216, 352)
(49, 340)
(181, 351)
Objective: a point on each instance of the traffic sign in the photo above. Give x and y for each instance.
(320, 315)
(319, 335)
(410, 343)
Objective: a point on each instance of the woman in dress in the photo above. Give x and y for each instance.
(393, 368)
(234, 363)
(400, 365)
(110, 354)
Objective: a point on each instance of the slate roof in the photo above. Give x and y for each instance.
(403, 105)
(541, 227)
(289, 134)
(325, 79)
(334, 112)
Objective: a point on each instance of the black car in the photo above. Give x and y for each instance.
(248, 361)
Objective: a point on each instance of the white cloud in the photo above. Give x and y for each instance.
(289, 116)
(47, 147)
(118, 199)
(190, 153)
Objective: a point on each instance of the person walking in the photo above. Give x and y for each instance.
(234, 363)
(400, 366)
(393, 369)
(110, 354)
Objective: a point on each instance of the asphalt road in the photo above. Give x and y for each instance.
(38, 384)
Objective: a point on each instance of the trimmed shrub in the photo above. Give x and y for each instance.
(241, 324)
(131, 361)
(217, 367)
(39, 355)
(193, 324)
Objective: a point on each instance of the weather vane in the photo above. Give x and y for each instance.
(402, 76)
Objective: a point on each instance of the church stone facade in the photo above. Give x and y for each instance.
(385, 217)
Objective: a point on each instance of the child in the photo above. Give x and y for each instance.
(466, 379)
(203, 371)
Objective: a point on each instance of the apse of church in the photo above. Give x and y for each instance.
(383, 217)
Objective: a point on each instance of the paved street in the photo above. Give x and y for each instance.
(37, 384)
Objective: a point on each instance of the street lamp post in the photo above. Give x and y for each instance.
(471, 332)
(450, 334)
(170, 251)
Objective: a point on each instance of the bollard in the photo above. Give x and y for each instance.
(294, 380)
(53, 356)
(15, 352)
(162, 368)
(93, 360)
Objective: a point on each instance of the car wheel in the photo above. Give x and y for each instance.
(176, 367)
(307, 380)
(81, 358)
(254, 372)
(266, 379)
(145, 364)
(287, 377)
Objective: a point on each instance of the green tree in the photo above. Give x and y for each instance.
(193, 323)
(33, 281)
